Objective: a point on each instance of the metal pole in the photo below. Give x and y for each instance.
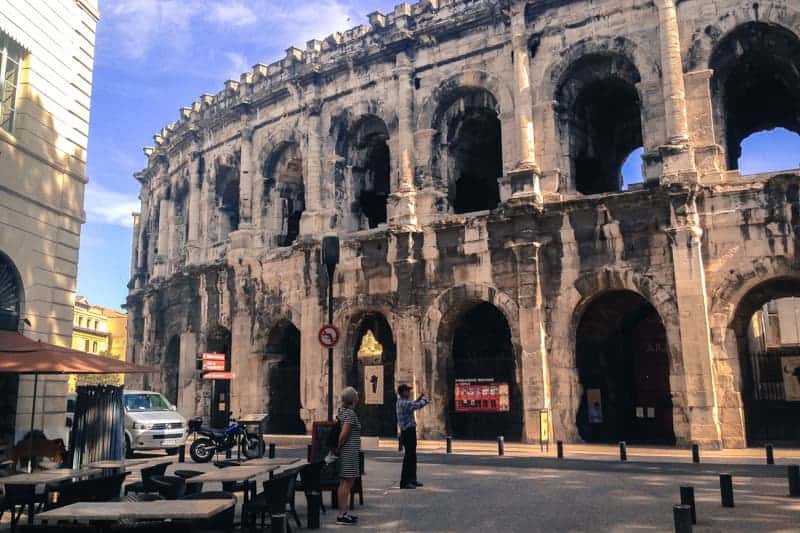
(682, 516)
(793, 472)
(449, 442)
(726, 489)
(623, 451)
(560, 449)
(770, 455)
(330, 350)
(501, 448)
(695, 453)
(687, 498)
(33, 416)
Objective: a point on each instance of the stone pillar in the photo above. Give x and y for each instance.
(677, 157)
(163, 233)
(699, 387)
(708, 153)
(535, 372)
(195, 199)
(208, 209)
(403, 200)
(312, 221)
(187, 371)
(246, 176)
(523, 181)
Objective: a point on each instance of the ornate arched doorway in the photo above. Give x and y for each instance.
(622, 357)
(371, 372)
(283, 380)
(484, 399)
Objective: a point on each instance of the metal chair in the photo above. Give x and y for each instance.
(170, 487)
(223, 521)
(272, 501)
(147, 473)
(21, 497)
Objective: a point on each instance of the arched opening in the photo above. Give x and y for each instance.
(632, 171)
(284, 194)
(469, 149)
(370, 162)
(181, 199)
(219, 341)
(283, 380)
(10, 295)
(484, 400)
(599, 120)
(227, 197)
(770, 151)
(756, 85)
(622, 356)
(10, 313)
(767, 331)
(170, 370)
(371, 372)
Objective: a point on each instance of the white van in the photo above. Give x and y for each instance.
(152, 423)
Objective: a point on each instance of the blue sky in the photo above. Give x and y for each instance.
(156, 56)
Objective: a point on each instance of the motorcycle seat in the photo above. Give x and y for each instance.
(214, 433)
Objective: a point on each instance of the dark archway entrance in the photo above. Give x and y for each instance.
(170, 371)
(283, 380)
(623, 366)
(483, 368)
(219, 341)
(10, 312)
(766, 325)
(371, 372)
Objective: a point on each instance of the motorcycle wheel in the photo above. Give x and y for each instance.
(253, 447)
(202, 450)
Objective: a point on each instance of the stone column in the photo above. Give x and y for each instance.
(135, 248)
(677, 158)
(523, 181)
(535, 371)
(699, 387)
(708, 153)
(195, 200)
(246, 176)
(403, 200)
(312, 221)
(163, 233)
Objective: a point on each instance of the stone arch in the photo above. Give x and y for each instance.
(218, 340)
(12, 295)
(283, 191)
(733, 303)
(282, 378)
(438, 328)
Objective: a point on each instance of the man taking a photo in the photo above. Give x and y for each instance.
(408, 434)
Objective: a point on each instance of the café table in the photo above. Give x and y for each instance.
(156, 510)
(44, 477)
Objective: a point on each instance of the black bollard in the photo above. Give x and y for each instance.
(770, 454)
(682, 516)
(687, 498)
(449, 444)
(277, 523)
(794, 480)
(314, 501)
(501, 446)
(623, 451)
(560, 449)
(308, 453)
(695, 453)
(726, 489)
(182, 454)
(272, 450)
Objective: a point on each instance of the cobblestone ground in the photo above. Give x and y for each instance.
(591, 492)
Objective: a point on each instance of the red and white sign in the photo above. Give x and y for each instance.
(214, 362)
(481, 396)
(219, 375)
(328, 336)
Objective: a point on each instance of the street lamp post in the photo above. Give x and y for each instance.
(330, 258)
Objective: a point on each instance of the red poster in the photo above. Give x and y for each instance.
(481, 396)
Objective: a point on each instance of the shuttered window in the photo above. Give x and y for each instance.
(10, 66)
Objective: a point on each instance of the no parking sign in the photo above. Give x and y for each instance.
(328, 336)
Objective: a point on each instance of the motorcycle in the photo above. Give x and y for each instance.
(214, 441)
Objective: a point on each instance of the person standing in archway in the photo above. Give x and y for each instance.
(408, 434)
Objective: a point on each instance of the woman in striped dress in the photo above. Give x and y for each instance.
(349, 449)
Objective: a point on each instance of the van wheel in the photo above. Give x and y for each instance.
(128, 450)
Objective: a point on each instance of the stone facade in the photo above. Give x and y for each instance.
(42, 179)
(468, 153)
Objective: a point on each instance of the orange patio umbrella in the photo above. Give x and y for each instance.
(21, 355)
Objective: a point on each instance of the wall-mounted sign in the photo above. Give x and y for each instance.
(791, 378)
(219, 375)
(328, 336)
(481, 396)
(373, 384)
(214, 362)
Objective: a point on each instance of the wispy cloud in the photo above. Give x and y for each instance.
(110, 207)
(234, 14)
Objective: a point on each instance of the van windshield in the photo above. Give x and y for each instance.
(146, 402)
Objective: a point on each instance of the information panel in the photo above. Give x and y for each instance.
(481, 396)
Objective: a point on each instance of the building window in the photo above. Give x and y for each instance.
(86, 345)
(94, 347)
(80, 321)
(10, 65)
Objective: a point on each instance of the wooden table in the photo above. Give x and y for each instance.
(264, 461)
(115, 511)
(44, 477)
(129, 463)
